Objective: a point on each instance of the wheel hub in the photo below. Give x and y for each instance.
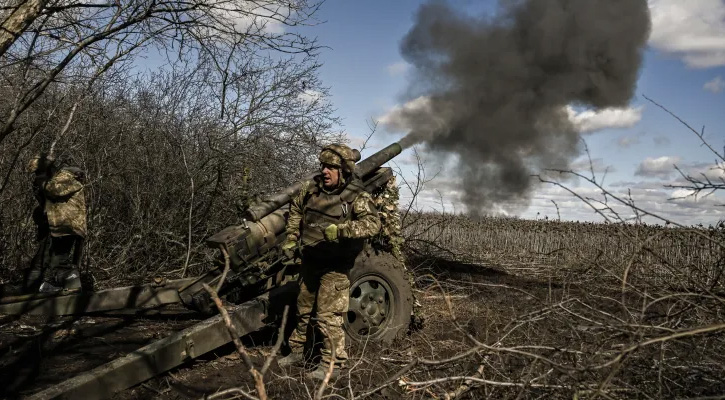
(370, 303)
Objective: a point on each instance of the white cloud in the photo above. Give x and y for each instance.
(642, 185)
(715, 172)
(689, 199)
(309, 96)
(682, 193)
(661, 167)
(398, 68)
(392, 118)
(597, 165)
(647, 196)
(590, 120)
(693, 30)
(716, 85)
(355, 142)
(249, 17)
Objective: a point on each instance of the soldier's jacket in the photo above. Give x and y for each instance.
(65, 203)
(350, 207)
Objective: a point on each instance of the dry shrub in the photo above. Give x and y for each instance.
(164, 172)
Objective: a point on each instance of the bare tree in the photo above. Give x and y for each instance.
(17, 19)
(235, 106)
(70, 42)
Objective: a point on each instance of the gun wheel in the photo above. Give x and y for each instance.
(381, 299)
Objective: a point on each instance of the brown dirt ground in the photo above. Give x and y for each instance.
(36, 353)
(486, 301)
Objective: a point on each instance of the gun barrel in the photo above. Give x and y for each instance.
(368, 165)
(363, 168)
(277, 200)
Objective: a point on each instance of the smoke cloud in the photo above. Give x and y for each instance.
(494, 90)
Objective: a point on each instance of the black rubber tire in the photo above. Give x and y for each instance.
(386, 269)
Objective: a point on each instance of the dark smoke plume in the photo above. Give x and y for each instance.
(493, 90)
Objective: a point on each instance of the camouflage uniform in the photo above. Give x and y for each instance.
(324, 283)
(61, 220)
(65, 203)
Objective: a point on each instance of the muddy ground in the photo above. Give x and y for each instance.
(487, 304)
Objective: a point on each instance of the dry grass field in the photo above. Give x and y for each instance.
(552, 243)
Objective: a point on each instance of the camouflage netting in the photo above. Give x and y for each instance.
(391, 236)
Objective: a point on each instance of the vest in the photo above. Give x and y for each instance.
(322, 209)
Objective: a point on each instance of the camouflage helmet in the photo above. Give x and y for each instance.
(39, 161)
(341, 156)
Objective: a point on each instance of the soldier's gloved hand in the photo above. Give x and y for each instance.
(288, 249)
(331, 233)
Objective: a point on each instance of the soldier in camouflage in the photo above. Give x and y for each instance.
(328, 222)
(61, 220)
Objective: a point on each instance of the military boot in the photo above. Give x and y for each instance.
(294, 359)
(47, 287)
(70, 279)
(321, 372)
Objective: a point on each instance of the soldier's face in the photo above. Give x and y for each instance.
(330, 176)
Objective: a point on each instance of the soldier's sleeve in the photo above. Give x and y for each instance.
(62, 184)
(365, 221)
(294, 219)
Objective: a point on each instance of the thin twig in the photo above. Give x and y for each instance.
(278, 343)
(227, 263)
(258, 379)
(330, 367)
(191, 209)
(480, 380)
(700, 135)
(231, 391)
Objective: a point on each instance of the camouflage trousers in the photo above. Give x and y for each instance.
(53, 262)
(327, 295)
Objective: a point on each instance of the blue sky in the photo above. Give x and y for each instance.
(684, 70)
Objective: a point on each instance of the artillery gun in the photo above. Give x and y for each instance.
(255, 277)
